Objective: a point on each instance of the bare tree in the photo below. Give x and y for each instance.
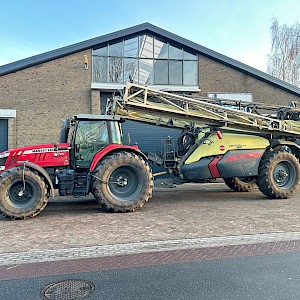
(284, 59)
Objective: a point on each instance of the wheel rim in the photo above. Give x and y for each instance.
(125, 183)
(20, 197)
(284, 174)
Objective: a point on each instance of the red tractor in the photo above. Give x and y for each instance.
(89, 158)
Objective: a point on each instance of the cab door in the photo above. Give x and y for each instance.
(91, 137)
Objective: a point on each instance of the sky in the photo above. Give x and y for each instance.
(235, 28)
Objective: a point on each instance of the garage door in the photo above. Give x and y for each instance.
(3, 134)
(148, 137)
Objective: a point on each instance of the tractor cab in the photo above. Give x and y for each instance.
(89, 134)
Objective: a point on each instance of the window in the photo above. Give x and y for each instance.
(115, 50)
(146, 46)
(91, 136)
(161, 72)
(175, 72)
(115, 71)
(100, 64)
(146, 71)
(160, 49)
(131, 47)
(175, 53)
(145, 60)
(130, 69)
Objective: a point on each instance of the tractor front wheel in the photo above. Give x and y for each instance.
(279, 174)
(23, 193)
(122, 182)
(241, 184)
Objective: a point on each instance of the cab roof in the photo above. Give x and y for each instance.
(97, 117)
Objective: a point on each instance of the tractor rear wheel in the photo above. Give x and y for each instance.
(279, 174)
(241, 184)
(23, 193)
(122, 182)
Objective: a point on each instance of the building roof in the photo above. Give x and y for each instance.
(147, 28)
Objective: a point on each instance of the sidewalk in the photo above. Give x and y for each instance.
(35, 256)
(79, 261)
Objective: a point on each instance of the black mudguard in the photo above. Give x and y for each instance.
(240, 163)
(198, 170)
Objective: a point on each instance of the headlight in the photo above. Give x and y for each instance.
(3, 158)
(4, 154)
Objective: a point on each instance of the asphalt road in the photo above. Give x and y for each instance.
(265, 277)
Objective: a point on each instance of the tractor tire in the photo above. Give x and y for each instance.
(122, 182)
(279, 174)
(17, 202)
(241, 184)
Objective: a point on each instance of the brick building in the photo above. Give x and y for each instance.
(37, 92)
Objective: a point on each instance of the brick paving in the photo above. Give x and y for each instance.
(187, 212)
(192, 222)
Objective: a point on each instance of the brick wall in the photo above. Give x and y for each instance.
(219, 78)
(45, 94)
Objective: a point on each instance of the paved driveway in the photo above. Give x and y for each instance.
(189, 211)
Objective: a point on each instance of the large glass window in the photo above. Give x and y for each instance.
(100, 70)
(146, 46)
(160, 49)
(175, 53)
(131, 47)
(175, 72)
(161, 72)
(145, 59)
(115, 69)
(146, 71)
(115, 49)
(131, 69)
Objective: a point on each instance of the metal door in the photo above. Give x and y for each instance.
(3, 134)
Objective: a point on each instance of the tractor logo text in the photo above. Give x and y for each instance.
(42, 150)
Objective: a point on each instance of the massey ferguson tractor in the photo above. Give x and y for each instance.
(93, 161)
(247, 144)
